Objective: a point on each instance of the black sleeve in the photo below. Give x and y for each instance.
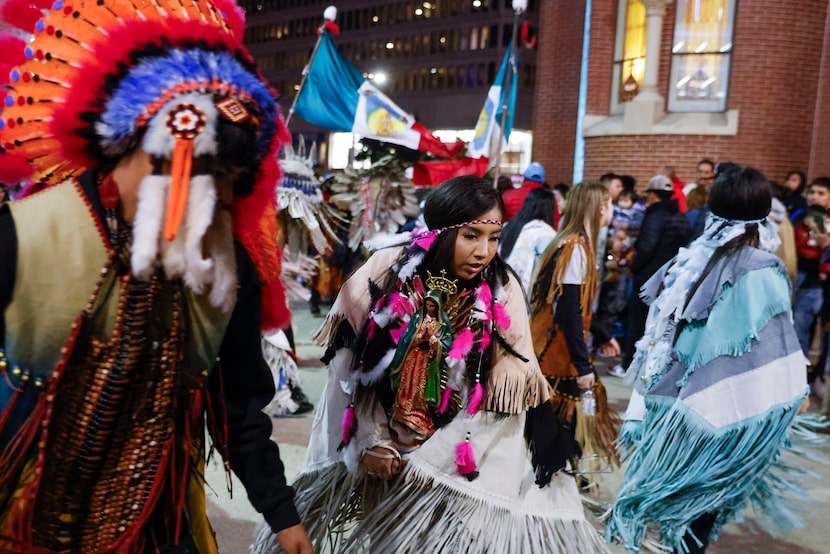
(248, 387)
(569, 318)
(647, 241)
(601, 329)
(8, 265)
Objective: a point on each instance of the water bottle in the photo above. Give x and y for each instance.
(589, 403)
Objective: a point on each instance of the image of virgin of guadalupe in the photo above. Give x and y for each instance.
(418, 373)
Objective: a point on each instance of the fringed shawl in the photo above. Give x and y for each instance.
(711, 422)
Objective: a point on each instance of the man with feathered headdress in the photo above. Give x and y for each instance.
(136, 281)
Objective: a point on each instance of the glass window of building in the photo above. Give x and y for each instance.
(629, 53)
(701, 55)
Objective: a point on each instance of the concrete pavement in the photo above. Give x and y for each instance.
(235, 521)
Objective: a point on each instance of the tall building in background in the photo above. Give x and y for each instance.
(436, 59)
(668, 82)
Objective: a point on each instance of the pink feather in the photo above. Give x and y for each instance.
(370, 329)
(399, 304)
(425, 241)
(500, 316)
(464, 458)
(398, 332)
(485, 340)
(475, 399)
(484, 297)
(446, 396)
(349, 424)
(462, 345)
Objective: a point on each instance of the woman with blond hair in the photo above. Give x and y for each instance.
(561, 298)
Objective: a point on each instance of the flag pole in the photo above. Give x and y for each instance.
(506, 96)
(329, 15)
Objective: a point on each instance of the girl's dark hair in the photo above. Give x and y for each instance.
(739, 193)
(456, 201)
(802, 181)
(538, 204)
(237, 144)
(628, 193)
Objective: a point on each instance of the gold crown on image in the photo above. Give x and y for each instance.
(441, 283)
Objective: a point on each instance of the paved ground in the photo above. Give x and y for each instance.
(235, 521)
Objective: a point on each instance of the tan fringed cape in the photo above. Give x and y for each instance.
(595, 434)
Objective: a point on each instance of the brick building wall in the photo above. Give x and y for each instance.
(558, 59)
(601, 56)
(820, 155)
(777, 62)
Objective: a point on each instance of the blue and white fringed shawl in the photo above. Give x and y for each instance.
(718, 383)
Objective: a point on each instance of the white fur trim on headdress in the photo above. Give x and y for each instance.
(219, 242)
(152, 199)
(201, 206)
(172, 253)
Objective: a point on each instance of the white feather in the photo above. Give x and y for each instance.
(408, 270)
(377, 372)
(387, 240)
(457, 368)
(383, 317)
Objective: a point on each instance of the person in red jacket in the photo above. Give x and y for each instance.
(810, 241)
(534, 177)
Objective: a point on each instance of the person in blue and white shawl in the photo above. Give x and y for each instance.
(719, 378)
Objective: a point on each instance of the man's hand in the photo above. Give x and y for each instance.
(294, 540)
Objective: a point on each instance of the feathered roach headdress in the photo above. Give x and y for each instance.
(89, 81)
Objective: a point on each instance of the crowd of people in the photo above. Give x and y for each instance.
(141, 307)
(410, 432)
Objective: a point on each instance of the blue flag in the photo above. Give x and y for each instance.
(489, 120)
(336, 96)
(329, 96)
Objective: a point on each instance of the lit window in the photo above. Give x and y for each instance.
(629, 53)
(701, 55)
